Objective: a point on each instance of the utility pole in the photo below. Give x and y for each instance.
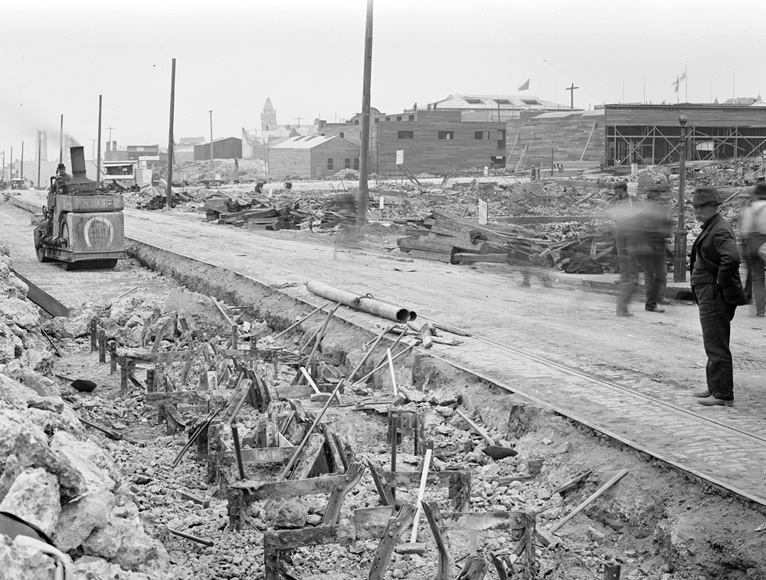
(61, 141)
(211, 140)
(169, 191)
(98, 158)
(679, 262)
(299, 121)
(21, 169)
(571, 90)
(39, 155)
(364, 161)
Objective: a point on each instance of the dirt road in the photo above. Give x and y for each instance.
(550, 318)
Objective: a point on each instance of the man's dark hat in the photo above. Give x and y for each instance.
(621, 185)
(760, 190)
(705, 196)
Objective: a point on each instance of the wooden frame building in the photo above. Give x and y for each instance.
(432, 141)
(651, 134)
(312, 157)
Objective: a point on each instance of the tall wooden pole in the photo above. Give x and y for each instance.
(39, 155)
(169, 191)
(61, 141)
(98, 154)
(211, 141)
(679, 261)
(364, 161)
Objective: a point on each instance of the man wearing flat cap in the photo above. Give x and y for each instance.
(753, 234)
(717, 289)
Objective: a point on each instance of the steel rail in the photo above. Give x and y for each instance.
(590, 377)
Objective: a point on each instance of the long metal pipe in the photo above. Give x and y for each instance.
(369, 305)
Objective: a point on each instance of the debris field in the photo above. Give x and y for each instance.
(171, 435)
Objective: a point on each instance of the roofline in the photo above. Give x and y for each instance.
(676, 107)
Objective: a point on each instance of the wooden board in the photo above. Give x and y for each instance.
(42, 298)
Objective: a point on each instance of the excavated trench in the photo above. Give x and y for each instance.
(654, 523)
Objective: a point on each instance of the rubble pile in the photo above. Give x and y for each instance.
(53, 476)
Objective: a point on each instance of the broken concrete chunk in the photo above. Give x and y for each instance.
(81, 516)
(87, 458)
(34, 497)
(21, 563)
(19, 312)
(124, 542)
(89, 567)
(20, 437)
(11, 346)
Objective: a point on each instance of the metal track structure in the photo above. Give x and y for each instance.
(721, 454)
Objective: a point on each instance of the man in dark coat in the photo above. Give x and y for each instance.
(714, 265)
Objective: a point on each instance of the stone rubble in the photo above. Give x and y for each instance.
(53, 475)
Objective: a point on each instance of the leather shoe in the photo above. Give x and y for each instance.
(703, 394)
(655, 309)
(713, 401)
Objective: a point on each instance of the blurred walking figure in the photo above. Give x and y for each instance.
(718, 290)
(345, 207)
(652, 225)
(619, 210)
(753, 236)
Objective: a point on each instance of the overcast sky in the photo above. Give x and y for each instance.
(307, 56)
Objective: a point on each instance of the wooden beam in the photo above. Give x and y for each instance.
(42, 298)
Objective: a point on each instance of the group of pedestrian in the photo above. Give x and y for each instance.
(640, 232)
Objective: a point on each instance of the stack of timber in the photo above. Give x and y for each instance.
(255, 215)
(152, 198)
(449, 238)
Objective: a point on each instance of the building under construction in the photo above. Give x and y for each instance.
(651, 134)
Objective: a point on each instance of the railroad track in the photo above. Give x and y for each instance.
(724, 449)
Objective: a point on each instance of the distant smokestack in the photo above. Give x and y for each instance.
(114, 145)
(78, 161)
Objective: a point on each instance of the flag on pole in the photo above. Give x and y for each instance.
(676, 83)
(525, 86)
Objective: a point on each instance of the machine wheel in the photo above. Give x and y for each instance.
(41, 257)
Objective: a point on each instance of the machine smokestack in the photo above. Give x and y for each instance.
(78, 161)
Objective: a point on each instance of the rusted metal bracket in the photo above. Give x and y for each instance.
(384, 491)
(397, 526)
(403, 421)
(352, 477)
(433, 516)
